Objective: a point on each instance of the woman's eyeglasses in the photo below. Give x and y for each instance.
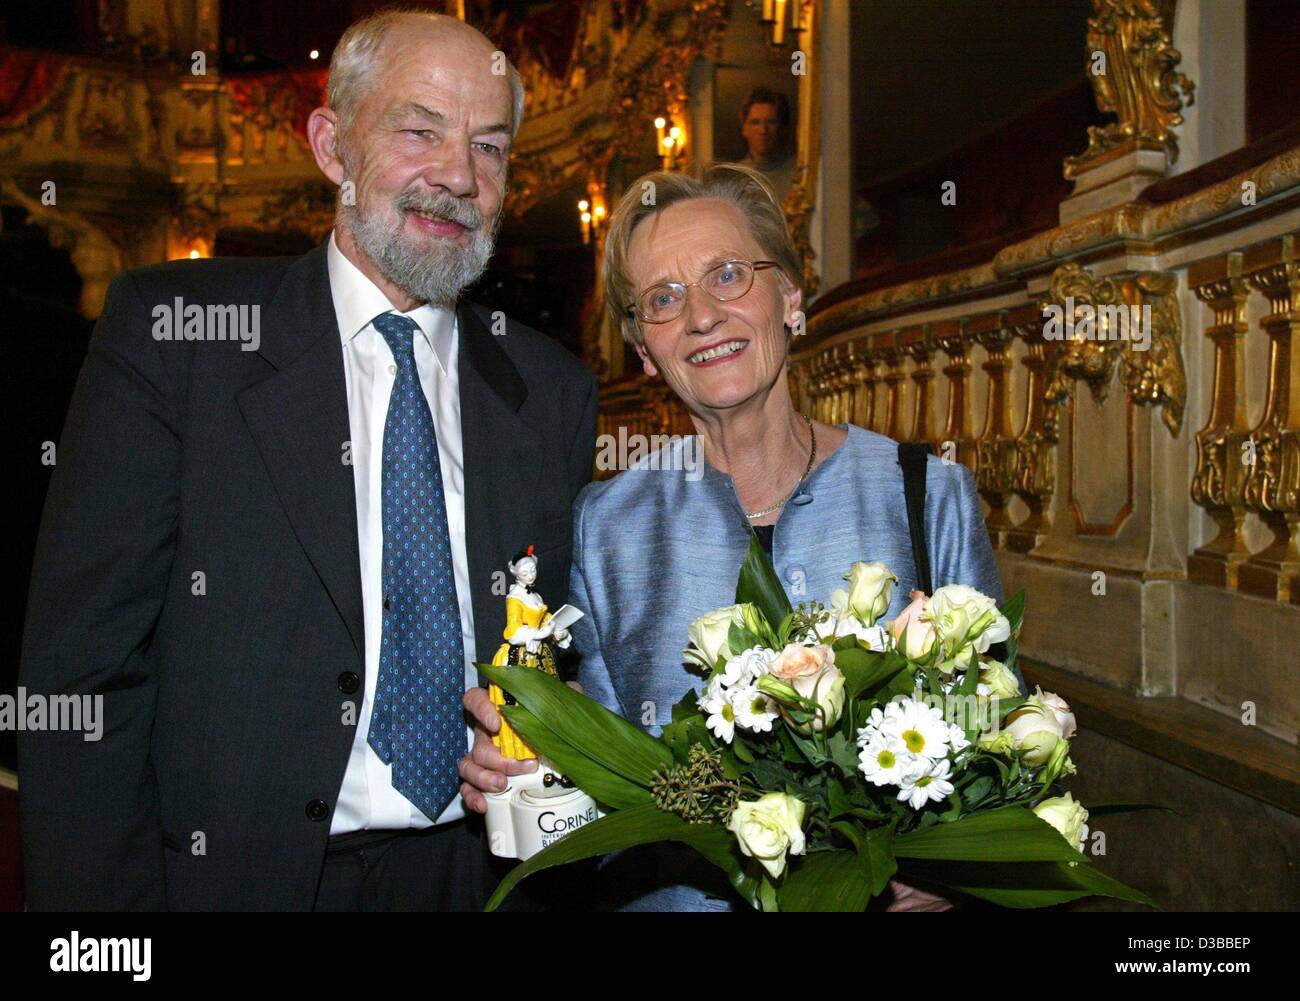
(725, 282)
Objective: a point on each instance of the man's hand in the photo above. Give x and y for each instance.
(909, 898)
(485, 769)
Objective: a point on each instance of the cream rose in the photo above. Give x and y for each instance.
(797, 661)
(769, 829)
(1066, 815)
(810, 673)
(708, 634)
(1000, 679)
(871, 587)
(912, 631)
(1036, 728)
(967, 623)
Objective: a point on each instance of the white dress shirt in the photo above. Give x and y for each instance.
(367, 800)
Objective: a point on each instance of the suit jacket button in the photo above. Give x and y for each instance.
(349, 682)
(318, 810)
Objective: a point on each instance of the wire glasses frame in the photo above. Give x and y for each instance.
(726, 282)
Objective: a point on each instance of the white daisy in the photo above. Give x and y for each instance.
(723, 723)
(753, 709)
(920, 727)
(745, 668)
(884, 761)
(716, 703)
(924, 783)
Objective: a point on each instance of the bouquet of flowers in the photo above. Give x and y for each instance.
(827, 752)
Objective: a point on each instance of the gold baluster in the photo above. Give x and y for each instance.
(1217, 480)
(995, 449)
(1035, 478)
(894, 378)
(918, 342)
(1271, 486)
(957, 424)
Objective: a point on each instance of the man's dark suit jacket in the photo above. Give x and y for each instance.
(224, 711)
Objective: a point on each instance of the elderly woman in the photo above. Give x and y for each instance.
(704, 283)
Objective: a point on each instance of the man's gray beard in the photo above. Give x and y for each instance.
(436, 275)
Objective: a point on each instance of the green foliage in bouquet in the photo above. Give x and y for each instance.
(812, 789)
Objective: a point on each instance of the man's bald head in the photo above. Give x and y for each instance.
(359, 52)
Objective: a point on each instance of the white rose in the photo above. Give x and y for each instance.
(966, 623)
(1067, 816)
(1036, 729)
(708, 634)
(1000, 679)
(769, 829)
(1060, 709)
(871, 586)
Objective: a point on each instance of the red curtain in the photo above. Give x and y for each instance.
(27, 82)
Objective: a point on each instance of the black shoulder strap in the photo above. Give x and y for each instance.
(912, 457)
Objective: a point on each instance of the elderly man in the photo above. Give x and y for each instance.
(273, 556)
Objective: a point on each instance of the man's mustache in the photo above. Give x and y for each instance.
(445, 207)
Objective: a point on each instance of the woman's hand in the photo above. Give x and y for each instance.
(909, 898)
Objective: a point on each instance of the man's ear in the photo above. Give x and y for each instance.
(323, 137)
(647, 363)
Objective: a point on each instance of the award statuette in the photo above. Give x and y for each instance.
(540, 808)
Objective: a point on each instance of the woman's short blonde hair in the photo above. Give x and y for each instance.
(743, 187)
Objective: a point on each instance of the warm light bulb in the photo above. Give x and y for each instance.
(675, 132)
(314, 54)
(194, 255)
(582, 205)
(600, 211)
(668, 142)
(586, 217)
(660, 122)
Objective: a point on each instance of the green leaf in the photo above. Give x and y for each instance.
(876, 857)
(758, 583)
(595, 780)
(1014, 610)
(688, 705)
(867, 670)
(1008, 834)
(740, 639)
(1026, 884)
(841, 881)
(585, 725)
(741, 749)
(844, 753)
(1102, 809)
(626, 828)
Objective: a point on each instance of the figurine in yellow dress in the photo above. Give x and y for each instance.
(530, 642)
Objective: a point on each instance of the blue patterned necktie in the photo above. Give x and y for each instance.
(416, 723)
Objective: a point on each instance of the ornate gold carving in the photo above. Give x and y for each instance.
(995, 449)
(957, 428)
(1035, 473)
(919, 344)
(1138, 83)
(1216, 482)
(1271, 483)
(1126, 312)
